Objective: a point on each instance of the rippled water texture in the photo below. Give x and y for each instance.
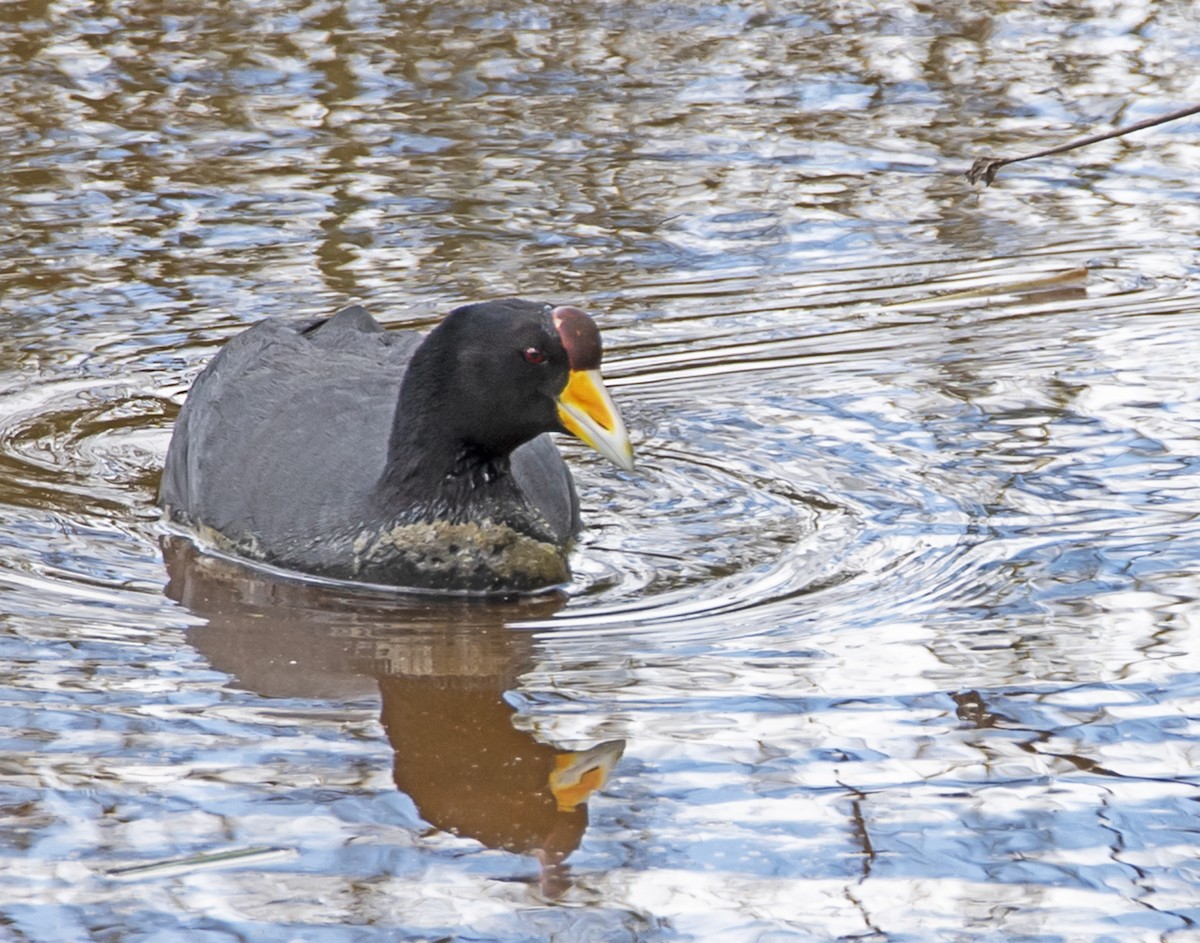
(893, 635)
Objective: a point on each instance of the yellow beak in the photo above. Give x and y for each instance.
(587, 411)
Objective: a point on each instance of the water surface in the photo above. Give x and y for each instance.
(897, 621)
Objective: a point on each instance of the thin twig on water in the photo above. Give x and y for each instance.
(985, 168)
(172, 867)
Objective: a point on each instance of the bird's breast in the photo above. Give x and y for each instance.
(480, 556)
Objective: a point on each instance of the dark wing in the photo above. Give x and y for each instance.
(546, 482)
(284, 434)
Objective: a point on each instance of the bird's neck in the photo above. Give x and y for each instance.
(433, 471)
(433, 476)
(421, 471)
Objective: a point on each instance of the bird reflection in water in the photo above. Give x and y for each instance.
(441, 667)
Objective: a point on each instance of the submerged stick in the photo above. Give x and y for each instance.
(172, 867)
(985, 168)
(1023, 286)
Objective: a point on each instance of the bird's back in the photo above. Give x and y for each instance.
(285, 433)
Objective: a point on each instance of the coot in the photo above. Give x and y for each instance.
(335, 448)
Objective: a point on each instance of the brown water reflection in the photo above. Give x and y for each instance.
(441, 668)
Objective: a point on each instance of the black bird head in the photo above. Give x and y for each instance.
(499, 373)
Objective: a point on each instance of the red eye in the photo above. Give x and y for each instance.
(533, 355)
